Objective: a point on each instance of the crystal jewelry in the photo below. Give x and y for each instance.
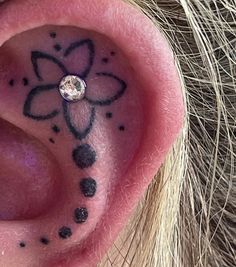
(72, 88)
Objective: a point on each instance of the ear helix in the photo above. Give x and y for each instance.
(104, 102)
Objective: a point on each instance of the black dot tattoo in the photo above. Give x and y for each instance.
(11, 82)
(53, 35)
(105, 60)
(80, 215)
(88, 187)
(64, 232)
(57, 47)
(44, 240)
(25, 81)
(113, 53)
(122, 128)
(22, 244)
(56, 129)
(84, 156)
(51, 140)
(109, 115)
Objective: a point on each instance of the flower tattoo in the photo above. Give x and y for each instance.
(91, 100)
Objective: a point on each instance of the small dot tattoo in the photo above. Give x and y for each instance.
(105, 60)
(53, 35)
(25, 81)
(44, 240)
(11, 82)
(88, 187)
(51, 140)
(109, 115)
(22, 245)
(80, 215)
(57, 47)
(56, 129)
(113, 53)
(122, 128)
(64, 232)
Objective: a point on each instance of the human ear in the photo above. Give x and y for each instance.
(72, 172)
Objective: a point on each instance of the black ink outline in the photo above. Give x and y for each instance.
(28, 103)
(91, 48)
(78, 134)
(110, 100)
(36, 55)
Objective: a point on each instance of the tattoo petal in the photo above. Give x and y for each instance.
(32, 96)
(38, 55)
(104, 89)
(79, 118)
(83, 57)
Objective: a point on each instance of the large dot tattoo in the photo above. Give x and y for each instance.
(84, 156)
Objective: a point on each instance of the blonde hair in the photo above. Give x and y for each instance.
(187, 217)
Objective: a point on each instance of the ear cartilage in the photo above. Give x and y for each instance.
(72, 88)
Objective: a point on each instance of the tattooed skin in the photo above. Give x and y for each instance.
(102, 129)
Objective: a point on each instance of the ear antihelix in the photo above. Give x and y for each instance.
(105, 104)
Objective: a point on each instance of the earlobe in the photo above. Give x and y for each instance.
(105, 147)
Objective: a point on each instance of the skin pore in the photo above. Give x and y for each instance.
(97, 154)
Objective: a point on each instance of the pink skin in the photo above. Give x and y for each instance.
(151, 109)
